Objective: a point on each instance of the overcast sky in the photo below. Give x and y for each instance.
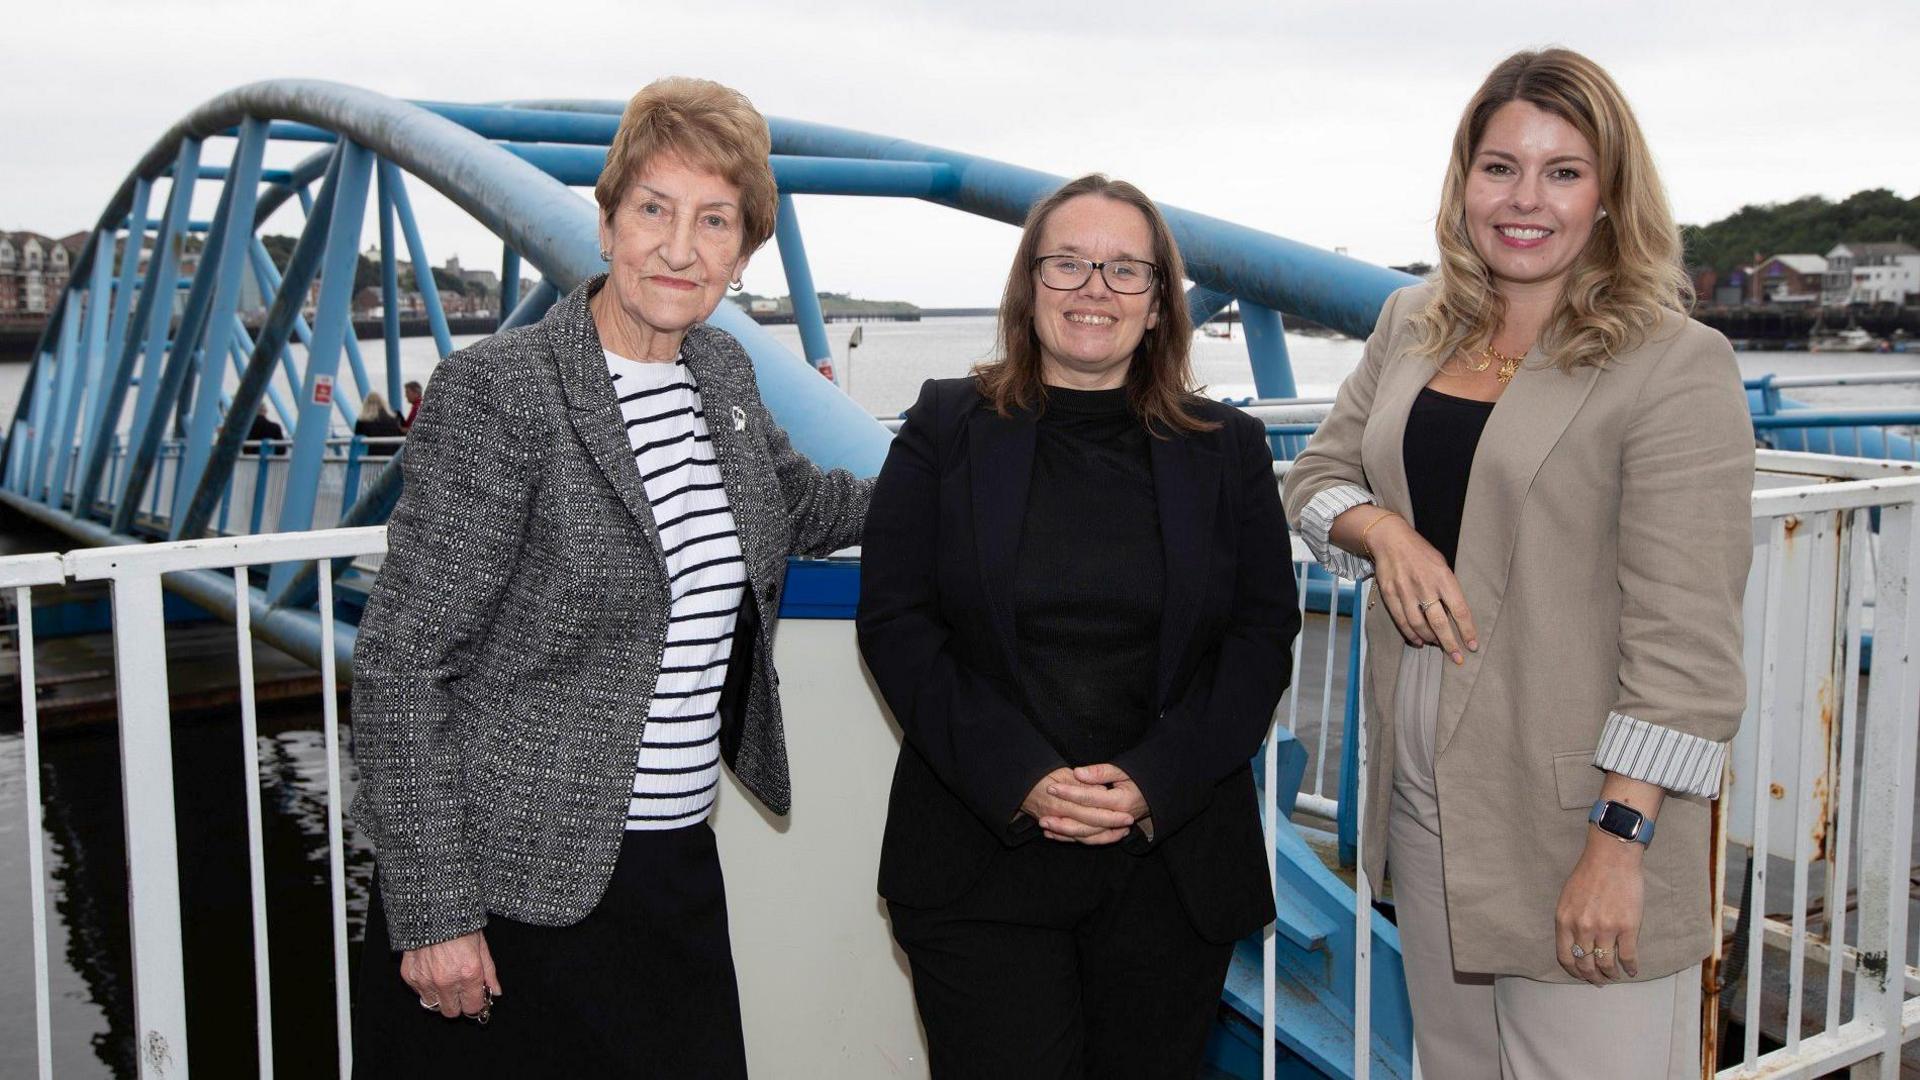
(1323, 122)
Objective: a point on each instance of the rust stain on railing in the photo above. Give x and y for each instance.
(1823, 815)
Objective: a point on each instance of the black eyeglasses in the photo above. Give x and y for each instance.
(1067, 272)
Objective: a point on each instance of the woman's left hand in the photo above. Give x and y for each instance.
(1600, 910)
(1104, 787)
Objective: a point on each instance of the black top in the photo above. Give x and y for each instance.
(1088, 581)
(1442, 433)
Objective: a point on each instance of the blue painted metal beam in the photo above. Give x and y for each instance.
(146, 332)
(151, 428)
(269, 349)
(301, 333)
(333, 325)
(800, 289)
(1267, 349)
(509, 280)
(220, 172)
(422, 267)
(389, 287)
(57, 435)
(100, 302)
(235, 250)
(579, 166)
(1204, 303)
(129, 264)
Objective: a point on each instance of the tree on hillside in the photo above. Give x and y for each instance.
(1810, 225)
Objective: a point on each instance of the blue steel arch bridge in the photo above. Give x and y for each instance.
(133, 426)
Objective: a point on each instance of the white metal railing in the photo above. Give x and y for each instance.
(146, 755)
(1822, 783)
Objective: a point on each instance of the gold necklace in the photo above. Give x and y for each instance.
(1509, 365)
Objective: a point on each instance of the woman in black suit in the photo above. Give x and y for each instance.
(1077, 600)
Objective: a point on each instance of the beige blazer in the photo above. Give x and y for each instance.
(1603, 551)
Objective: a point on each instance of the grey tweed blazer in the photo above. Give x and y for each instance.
(509, 649)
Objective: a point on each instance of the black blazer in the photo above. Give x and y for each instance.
(936, 629)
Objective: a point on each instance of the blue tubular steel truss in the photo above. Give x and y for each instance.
(123, 398)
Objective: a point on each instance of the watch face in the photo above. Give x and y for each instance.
(1621, 821)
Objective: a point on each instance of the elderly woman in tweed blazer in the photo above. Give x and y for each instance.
(571, 633)
(1546, 467)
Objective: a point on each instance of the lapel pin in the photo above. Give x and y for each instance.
(739, 418)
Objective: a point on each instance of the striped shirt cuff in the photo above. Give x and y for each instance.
(1316, 521)
(1681, 763)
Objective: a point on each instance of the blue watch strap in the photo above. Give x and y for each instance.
(1643, 830)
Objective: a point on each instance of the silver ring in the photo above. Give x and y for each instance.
(1578, 952)
(430, 1006)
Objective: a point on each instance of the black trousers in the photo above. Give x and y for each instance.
(1063, 961)
(642, 987)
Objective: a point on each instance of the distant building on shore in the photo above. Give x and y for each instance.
(33, 270)
(1872, 273)
(1787, 279)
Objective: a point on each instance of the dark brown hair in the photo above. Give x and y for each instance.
(1160, 378)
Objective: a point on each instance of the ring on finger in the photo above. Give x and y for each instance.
(1578, 952)
(1600, 952)
(1425, 604)
(430, 1006)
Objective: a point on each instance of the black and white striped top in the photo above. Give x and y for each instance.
(678, 773)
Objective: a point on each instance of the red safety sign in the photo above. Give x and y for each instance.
(323, 389)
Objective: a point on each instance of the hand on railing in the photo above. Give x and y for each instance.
(1421, 592)
(455, 977)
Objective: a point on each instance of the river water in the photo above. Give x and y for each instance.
(85, 846)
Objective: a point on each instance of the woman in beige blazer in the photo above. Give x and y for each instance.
(1546, 468)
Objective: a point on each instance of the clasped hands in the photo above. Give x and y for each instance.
(1093, 804)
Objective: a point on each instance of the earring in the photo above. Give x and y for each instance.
(1603, 212)
(605, 255)
(734, 285)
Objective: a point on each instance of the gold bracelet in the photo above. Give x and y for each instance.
(1366, 549)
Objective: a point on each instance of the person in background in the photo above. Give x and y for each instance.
(1546, 468)
(264, 429)
(1078, 600)
(376, 420)
(412, 391)
(572, 632)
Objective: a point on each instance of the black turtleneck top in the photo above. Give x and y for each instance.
(1088, 581)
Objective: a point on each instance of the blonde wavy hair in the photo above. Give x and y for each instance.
(1630, 272)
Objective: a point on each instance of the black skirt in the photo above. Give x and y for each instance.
(642, 987)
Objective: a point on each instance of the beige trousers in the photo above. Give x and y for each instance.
(1472, 1027)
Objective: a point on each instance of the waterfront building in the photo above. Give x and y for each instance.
(1787, 279)
(34, 268)
(1872, 273)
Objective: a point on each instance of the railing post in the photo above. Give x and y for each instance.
(153, 865)
(800, 290)
(243, 184)
(333, 324)
(1886, 781)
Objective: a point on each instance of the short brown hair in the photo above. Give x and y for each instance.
(1160, 378)
(708, 125)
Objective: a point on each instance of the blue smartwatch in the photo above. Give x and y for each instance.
(1622, 822)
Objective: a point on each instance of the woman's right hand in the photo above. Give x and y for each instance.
(1094, 820)
(454, 976)
(1409, 572)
